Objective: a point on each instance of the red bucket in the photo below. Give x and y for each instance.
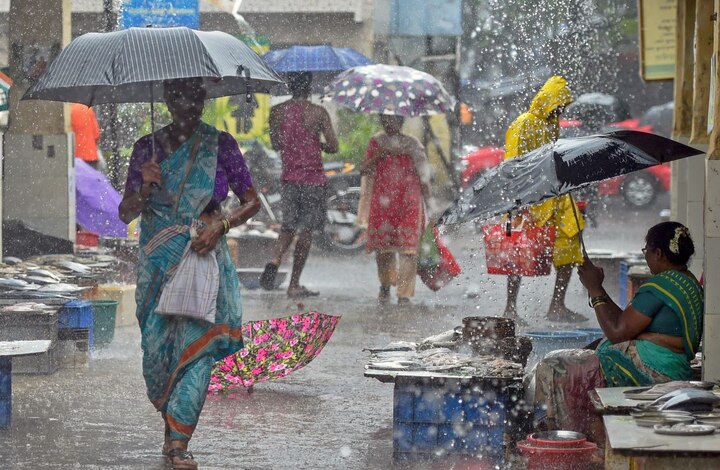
(87, 238)
(541, 457)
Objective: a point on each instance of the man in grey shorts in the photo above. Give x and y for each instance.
(296, 128)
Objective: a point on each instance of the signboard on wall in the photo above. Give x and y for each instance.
(160, 13)
(657, 39)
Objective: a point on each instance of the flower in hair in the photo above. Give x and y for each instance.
(675, 242)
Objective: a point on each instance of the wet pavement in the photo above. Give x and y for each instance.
(326, 415)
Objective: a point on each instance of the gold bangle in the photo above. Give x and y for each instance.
(604, 298)
(597, 304)
(226, 225)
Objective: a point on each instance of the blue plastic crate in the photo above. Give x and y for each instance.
(77, 315)
(433, 417)
(5, 391)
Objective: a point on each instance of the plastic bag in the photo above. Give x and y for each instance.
(192, 290)
(436, 264)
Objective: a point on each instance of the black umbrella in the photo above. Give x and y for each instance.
(129, 66)
(559, 168)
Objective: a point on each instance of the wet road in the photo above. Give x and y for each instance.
(325, 416)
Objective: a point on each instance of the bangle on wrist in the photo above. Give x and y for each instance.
(599, 300)
(226, 225)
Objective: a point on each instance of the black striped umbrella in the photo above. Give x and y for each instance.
(129, 66)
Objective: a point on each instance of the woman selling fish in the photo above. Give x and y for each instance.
(651, 341)
(196, 164)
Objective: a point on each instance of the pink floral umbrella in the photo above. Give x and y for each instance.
(273, 349)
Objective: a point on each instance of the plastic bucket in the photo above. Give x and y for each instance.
(104, 313)
(87, 238)
(544, 342)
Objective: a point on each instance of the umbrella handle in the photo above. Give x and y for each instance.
(577, 221)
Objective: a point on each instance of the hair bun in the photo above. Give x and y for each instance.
(675, 240)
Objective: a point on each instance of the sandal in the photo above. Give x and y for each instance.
(182, 459)
(301, 291)
(267, 279)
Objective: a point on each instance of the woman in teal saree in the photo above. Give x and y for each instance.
(195, 165)
(651, 341)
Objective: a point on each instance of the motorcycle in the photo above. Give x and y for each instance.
(341, 234)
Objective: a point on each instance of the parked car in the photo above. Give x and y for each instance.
(475, 161)
(640, 189)
(596, 110)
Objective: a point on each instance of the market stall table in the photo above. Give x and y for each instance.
(630, 446)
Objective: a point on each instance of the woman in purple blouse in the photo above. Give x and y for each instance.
(194, 167)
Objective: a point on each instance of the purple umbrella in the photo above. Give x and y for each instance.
(97, 202)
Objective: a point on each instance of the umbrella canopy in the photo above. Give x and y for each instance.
(273, 349)
(315, 59)
(390, 89)
(129, 66)
(97, 202)
(561, 167)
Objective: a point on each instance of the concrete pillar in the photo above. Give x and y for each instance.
(683, 96)
(695, 208)
(699, 137)
(711, 345)
(39, 186)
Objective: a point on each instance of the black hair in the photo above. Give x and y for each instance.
(299, 83)
(673, 239)
(194, 85)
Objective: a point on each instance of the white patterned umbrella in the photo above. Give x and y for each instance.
(390, 89)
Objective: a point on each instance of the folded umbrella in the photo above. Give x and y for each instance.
(273, 349)
(559, 168)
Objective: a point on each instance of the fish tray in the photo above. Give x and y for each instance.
(440, 417)
(29, 326)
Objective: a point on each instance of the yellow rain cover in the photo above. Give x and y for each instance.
(534, 129)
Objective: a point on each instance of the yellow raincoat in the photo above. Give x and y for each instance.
(534, 129)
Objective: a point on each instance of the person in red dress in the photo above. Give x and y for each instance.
(397, 166)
